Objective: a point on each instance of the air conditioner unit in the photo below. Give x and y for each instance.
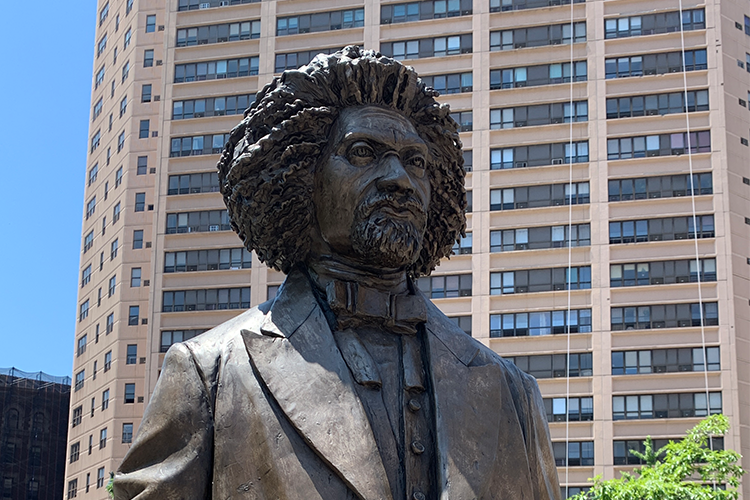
(557, 161)
(520, 164)
(157, 98)
(520, 45)
(224, 3)
(159, 62)
(213, 227)
(556, 120)
(519, 124)
(148, 244)
(146, 282)
(520, 84)
(204, 5)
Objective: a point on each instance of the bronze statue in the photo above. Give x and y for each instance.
(347, 176)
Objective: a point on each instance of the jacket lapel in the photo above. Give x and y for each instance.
(296, 356)
(469, 419)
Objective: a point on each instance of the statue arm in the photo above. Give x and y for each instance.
(171, 457)
(539, 445)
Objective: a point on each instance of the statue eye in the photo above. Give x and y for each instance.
(361, 153)
(417, 161)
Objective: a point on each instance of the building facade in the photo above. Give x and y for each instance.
(608, 245)
(33, 434)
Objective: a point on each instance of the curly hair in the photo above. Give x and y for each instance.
(267, 168)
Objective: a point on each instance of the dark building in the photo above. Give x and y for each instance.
(33, 434)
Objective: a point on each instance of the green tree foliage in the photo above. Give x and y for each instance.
(683, 470)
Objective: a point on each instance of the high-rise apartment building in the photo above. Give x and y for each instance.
(608, 245)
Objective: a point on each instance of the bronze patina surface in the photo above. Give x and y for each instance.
(346, 175)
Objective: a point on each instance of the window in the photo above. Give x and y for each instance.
(453, 83)
(132, 354)
(663, 22)
(125, 71)
(75, 451)
(664, 316)
(116, 213)
(211, 106)
(112, 285)
(533, 324)
(88, 241)
(623, 450)
(539, 196)
(91, 443)
(169, 337)
(123, 106)
(579, 453)
(112, 91)
(463, 322)
(150, 23)
(126, 39)
(439, 287)
(655, 64)
(110, 324)
(554, 365)
(148, 58)
(207, 260)
(533, 76)
(77, 415)
(506, 5)
(206, 299)
(213, 70)
(463, 246)
(657, 104)
(464, 119)
(120, 141)
(100, 477)
(101, 45)
(198, 145)
(86, 276)
(114, 56)
(96, 140)
(538, 155)
(272, 291)
(73, 488)
(428, 47)
(430, 9)
(537, 36)
(127, 433)
(577, 409)
(142, 165)
(669, 228)
(666, 186)
(217, 33)
(107, 361)
(540, 280)
(193, 183)
(84, 310)
(658, 145)
(140, 202)
(133, 315)
(320, 21)
(99, 77)
(533, 238)
(80, 379)
(97, 109)
(184, 5)
(81, 345)
(129, 393)
(143, 129)
(539, 114)
(678, 405)
(103, 13)
(137, 239)
(197, 222)
(685, 359)
(294, 60)
(146, 92)
(103, 438)
(118, 177)
(113, 250)
(135, 277)
(661, 272)
(128, 7)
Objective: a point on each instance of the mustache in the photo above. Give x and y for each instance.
(398, 204)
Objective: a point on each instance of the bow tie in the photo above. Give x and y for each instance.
(356, 305)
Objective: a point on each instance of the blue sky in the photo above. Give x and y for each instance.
(46, 50)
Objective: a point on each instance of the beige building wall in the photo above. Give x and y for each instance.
(726, 84)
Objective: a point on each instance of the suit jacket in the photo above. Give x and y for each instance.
(264, 407)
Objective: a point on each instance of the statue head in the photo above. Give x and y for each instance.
(351, 155)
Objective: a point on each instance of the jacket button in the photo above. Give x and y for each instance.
(417, 448)
(414, 405)
(418, 495)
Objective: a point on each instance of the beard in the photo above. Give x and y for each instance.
(387, 241)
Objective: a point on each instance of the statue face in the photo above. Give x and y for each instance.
(373, 189)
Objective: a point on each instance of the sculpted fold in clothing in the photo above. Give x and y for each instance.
(264, 407)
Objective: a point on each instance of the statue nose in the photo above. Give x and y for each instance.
(394, 177)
